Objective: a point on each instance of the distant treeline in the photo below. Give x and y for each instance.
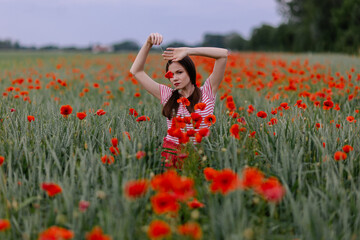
(309, 25)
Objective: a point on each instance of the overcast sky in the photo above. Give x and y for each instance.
(84, 22)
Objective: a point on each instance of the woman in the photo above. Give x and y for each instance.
(183, 77)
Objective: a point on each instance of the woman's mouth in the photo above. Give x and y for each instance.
(176, 84)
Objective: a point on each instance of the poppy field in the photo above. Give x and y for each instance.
(81, 143)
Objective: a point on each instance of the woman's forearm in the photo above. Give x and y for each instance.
(140, 59)
(208, 52)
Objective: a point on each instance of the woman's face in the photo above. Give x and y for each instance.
(181, 78)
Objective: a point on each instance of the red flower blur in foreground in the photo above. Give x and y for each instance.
(2, 159)
(56, 233)
(261, 114)
(346, 149)
(66, 110)
(234, 131)
(179, 186)
(251, 178)
(225, 181)
(191, 230)
(210, 120)
(164, 202)
(30, 118)
(4, 225)
(107, 159)
(184, 101)
(51, 188)
(195, 204)
(136, 188)
(158, 229)
(81, 115)
(340, 156)
(114, 142)
(200, 106)
(97, 234)
(271, 189)
(140, 154)
(169, 74)
(100, 112)
(210, 173)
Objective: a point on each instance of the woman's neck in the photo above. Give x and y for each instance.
(187, 91)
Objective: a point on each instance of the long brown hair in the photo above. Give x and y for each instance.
(171, 107)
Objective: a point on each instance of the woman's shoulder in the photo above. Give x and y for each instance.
(207, 90)
(165, 93)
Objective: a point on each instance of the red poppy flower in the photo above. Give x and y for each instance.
(114, 150)
(133, 112)
(56, 233)
(204, 132)
(284, 105)
(347, 148)
(271, 189)
(340, 156)
(96, 234)
(136, 188)
(169, 75)
(66, 110)
(51, 188)
(210, 173)
(329, 104)
(231, 106)
(142, 119)
(195, 204)
(190, 132)
(234, 131)
(251, 178)
(81, 115)
(191, 230)
(107, 159)
(164, 202)
(30, 118)
(137, 94)
(2, 159)
(114, 142)
(261, 114)
(184, 101)
(100, 112)
(350, 119)
(201, 106)
(198, 138)
(140, 154)
(197, 118)
(4, 225)
(224, 182)
(210, 120)
(158, 229)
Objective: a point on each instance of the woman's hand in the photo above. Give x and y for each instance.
(175, 54)
(155, 39)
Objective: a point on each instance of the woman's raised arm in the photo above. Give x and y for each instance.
(137, 69)
(219, 54)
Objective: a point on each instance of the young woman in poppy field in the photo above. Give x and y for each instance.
(187, 105)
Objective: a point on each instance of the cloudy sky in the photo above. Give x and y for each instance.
(84, 22)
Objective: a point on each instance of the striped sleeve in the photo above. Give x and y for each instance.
(207, 90)
(165, 93)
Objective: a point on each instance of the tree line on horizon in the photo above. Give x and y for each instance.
(309, 26)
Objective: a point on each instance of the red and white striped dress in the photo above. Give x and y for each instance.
(207, 97)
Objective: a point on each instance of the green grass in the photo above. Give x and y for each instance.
(322, 198)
